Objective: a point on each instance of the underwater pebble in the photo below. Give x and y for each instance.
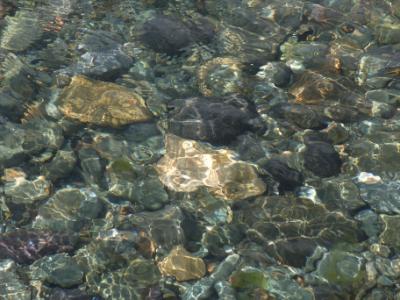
(182, 265)
(218, 170)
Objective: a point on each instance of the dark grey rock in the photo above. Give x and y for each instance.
(322, 159)
(287, 177)
(217, 121)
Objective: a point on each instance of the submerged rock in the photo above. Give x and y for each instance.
(322, 159)
(22, 31)
(390, 235)
(131, 282)
(23, 191)
(290, 228)
(188, 165)
(102, 103)
(12, 286)
(342, 268)
(168, 34)
(59, 269)
(68, 209)
(25, 246)
(217, 121)
(221, 76)
(103, 56)
(287, 177)
(182, 265)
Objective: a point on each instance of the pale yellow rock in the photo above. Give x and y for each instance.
(102, 103)
(189, 164)
(182, 265)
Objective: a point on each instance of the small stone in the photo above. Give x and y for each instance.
(369, 222)
(60, 166)
(68, 209)
(189, 165)
(23, 191)
(102, 103)
(342, 268)
(248, 278)
(337, 133)
(382, 197)
(390, 235)
(368, 178)
(287, 177)
(12, 287)
(182, 265)
(217, 121)
(166, 35)
(322, 159)
(58, 269)
(380, 250)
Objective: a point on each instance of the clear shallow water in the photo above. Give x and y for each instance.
(199, 149)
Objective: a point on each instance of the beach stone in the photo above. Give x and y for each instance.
(102, 103)
(189, 165)
(12, 286)
(23, 191)
(287, 177)
(248, 278)
(103, 55)
(213, 120)
(58, 269)
(68, 209)
(382, 197)
(340, 267)
(369, 222)
(182, 265)
(166, 34)
(60, 166)
(322, 159)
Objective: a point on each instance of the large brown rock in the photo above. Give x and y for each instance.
(188, 164)
(102, 103)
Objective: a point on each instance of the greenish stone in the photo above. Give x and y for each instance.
(136, 183)
(248, 278)
(68, 209)
(390, 235)
(23, 191)
(59, 269)
(369, 222)
(128, 283)
(282, 286)
(11, 285)
(342, 268)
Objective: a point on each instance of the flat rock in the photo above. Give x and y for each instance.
(189, 165)
(102, 103)
(182, 265)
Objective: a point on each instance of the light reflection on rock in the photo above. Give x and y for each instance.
(188, 165)
(102, 103)
(182, 265)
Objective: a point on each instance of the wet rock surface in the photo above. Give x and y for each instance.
(199, 149)
(225, 176)
(180, 264)
(217, 121)
(102, 103)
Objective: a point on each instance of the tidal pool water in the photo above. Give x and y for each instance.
(199, 149)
